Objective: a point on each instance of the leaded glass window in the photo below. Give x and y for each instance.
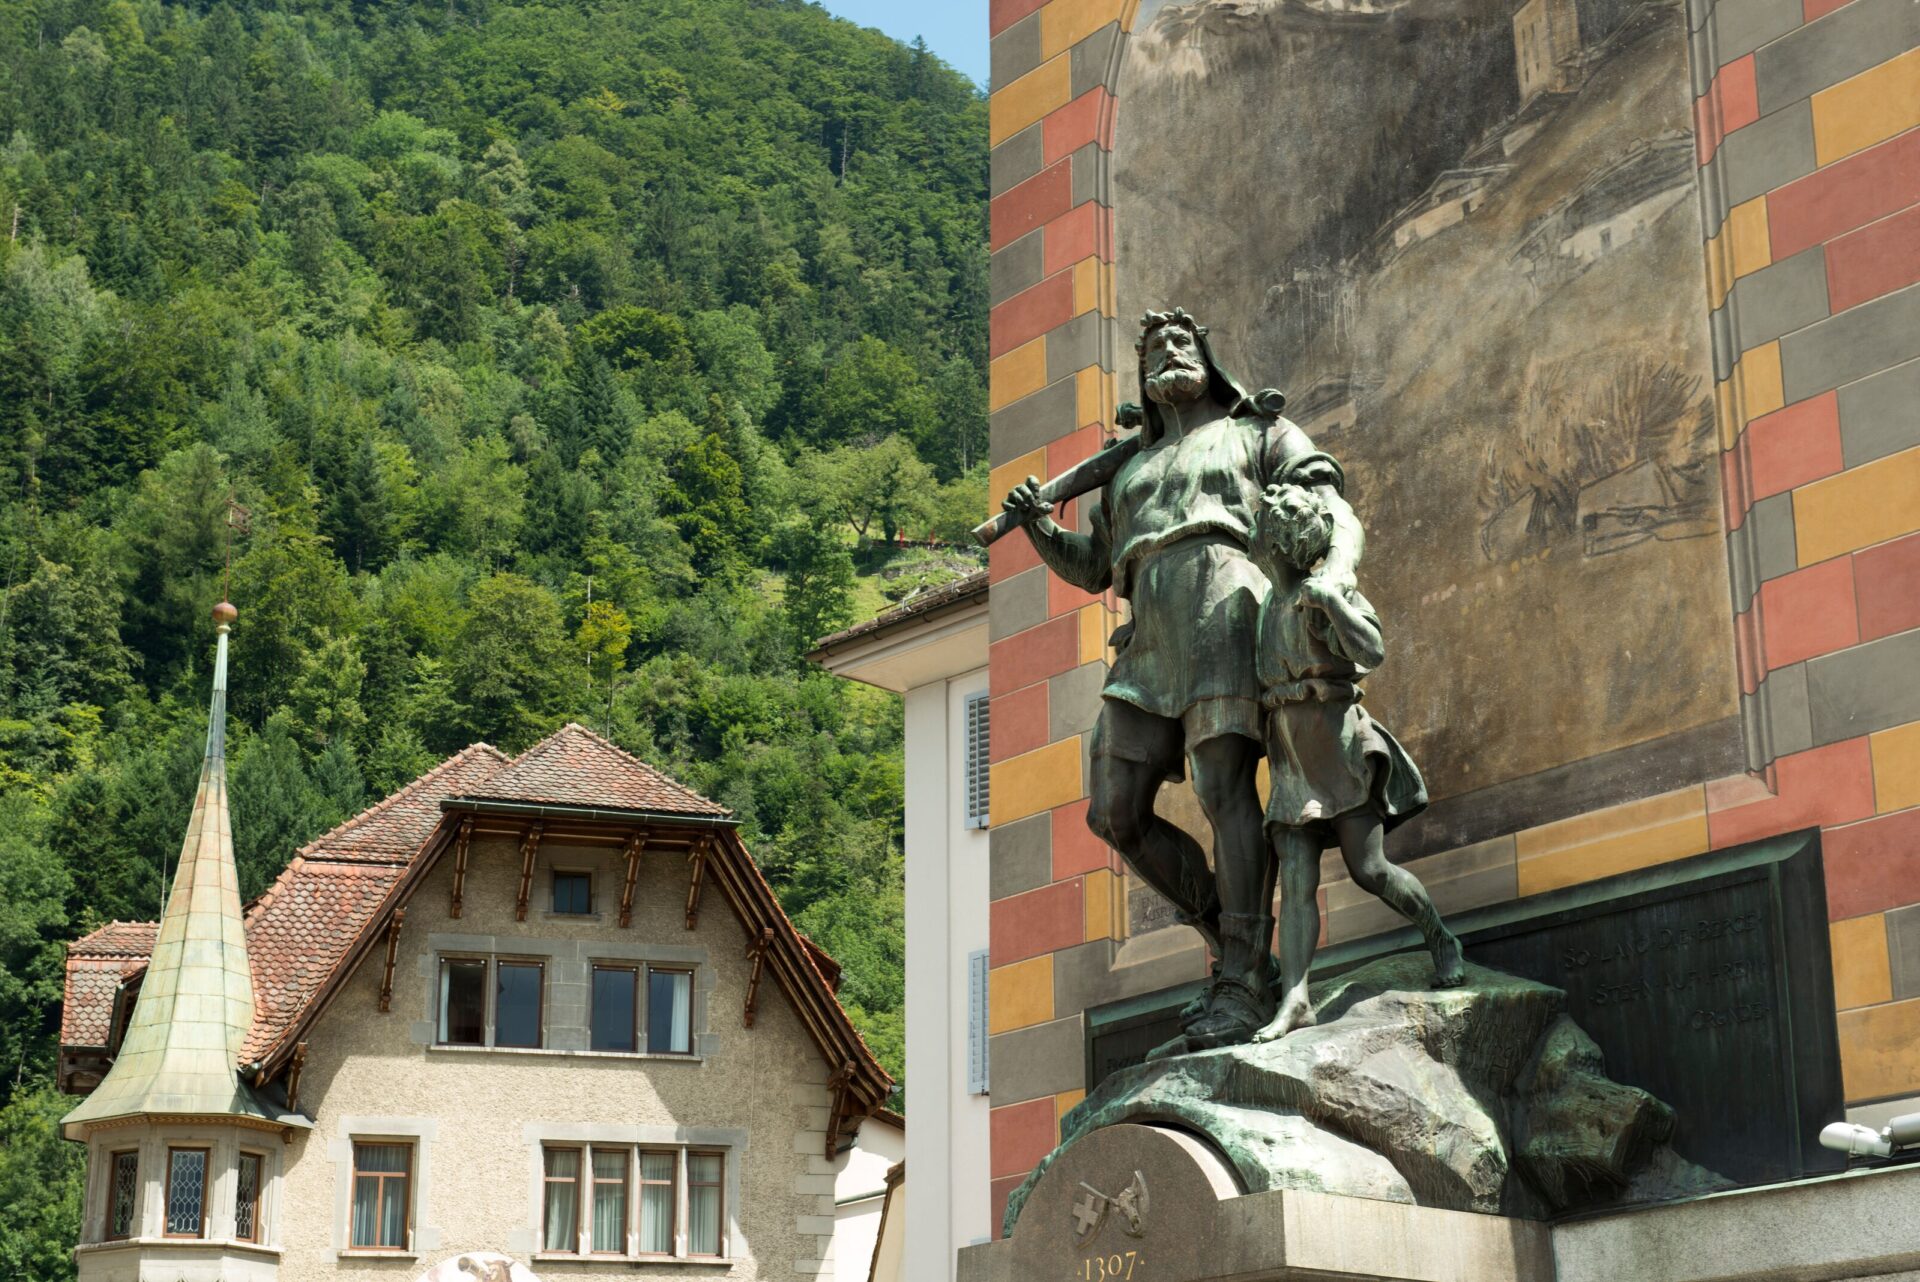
(186, 1192)
(123, 1194)
(246, 1199)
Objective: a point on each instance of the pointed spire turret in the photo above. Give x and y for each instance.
(182, 1046)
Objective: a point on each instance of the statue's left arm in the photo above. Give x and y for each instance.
(1342, 562)
(1291, 459)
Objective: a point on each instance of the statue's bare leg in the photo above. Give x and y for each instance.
(1363, 842)
(1299, 857)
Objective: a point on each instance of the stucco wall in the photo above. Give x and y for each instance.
(481, 1112)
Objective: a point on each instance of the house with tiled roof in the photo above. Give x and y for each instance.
(528, 1013)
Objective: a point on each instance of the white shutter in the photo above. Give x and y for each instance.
(977, 1023)
(979, 737)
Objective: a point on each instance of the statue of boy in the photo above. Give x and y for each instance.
(1336, 774)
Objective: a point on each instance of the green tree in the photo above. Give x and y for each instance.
(514, 674)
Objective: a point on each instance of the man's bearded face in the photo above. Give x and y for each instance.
(1175, 373)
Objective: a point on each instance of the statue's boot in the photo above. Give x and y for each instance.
(1240, 1001)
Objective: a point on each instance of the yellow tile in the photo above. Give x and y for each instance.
(1088, 404)
(1858, 508)
(1747, 245)
(1027, 99)
(1862, 972)
(1103, 896)
(1873, 106)
(1726, 411)
(1086, 286)
(1065, 23)
(1093, 632)
(1719, 268)
(1877, 1059)
(1065, 1102)
(1021, 372)
(1618, 839)
(1020, 995)
(1035, 781)
(1011, 473)
(1896, 768)
(1760, 387)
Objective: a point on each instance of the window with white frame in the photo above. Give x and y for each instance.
(492, 1002)
(979, 745)
(639, 1201)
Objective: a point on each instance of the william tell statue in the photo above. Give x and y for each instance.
(1173, 532)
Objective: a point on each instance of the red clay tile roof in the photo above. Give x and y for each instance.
(576, 767)
(957, 592)
(394, 830)
(117, 939)
(96, 965)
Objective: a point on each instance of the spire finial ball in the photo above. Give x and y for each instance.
(224, 613)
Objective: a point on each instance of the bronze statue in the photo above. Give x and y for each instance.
(1172, 532)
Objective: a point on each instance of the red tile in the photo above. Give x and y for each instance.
(1010, 554)
(1022, 1134)
(1739, 95)
(1073, 126)
(1811, 9)
(1019, 722)
(1038, 921)
(1873, 866)
(1073, 236)
(1030, 313)
(1068, 450)
(1033, 655)
(1706, 135)
(1733, 486)
(1819, 788)
(1809, 612)
(1002, 14)
(1793, 446)
(1878, 259)
(1747, 650)
(1848, 194)
(1025, 206)
(1886, 580)
(1075, 849)
(1063, 597)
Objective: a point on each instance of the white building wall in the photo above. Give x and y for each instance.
(859, 1195)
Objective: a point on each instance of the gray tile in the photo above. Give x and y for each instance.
(1073, 700)
(1095, 60)
(1903, 951)
(1776, 300)
(1741, 26)
(1095, 974)
(1698, 13)
(1090, 174)
(1015, 267)
(1867, 688)
(1880, 415)
(1019, 856)
(1015, 51)
(1743, 576)
(1017, 603)
(1016, 160)
(1785, 713)
(1032, 421)
(1082, 977)
(1720, 341)
(1076, 345)
(1832, 48)
(1769, 526)
(1859, 342)
(1771, 151)
(1034, 1062)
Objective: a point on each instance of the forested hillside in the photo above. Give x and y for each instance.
(569, 360)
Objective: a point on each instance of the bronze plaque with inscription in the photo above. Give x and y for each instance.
(1707, 982)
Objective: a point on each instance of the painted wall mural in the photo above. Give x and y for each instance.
(1463, 237)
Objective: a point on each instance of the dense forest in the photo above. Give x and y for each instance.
(529, 362)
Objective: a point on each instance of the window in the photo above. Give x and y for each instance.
(186, 1192)
(380, 1178)
(123, 1194)
(978, 746)
(609, 1201)
(670, 1012)
(572, 893)
(563, 1200)
(704, 1173)
(246, 1199)
(516, 1012)
(656, 1202)
(463, 1001)
(616, 989)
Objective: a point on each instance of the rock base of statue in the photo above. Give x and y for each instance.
(1484, 1098)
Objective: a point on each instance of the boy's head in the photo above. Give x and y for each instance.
(1292, 527)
